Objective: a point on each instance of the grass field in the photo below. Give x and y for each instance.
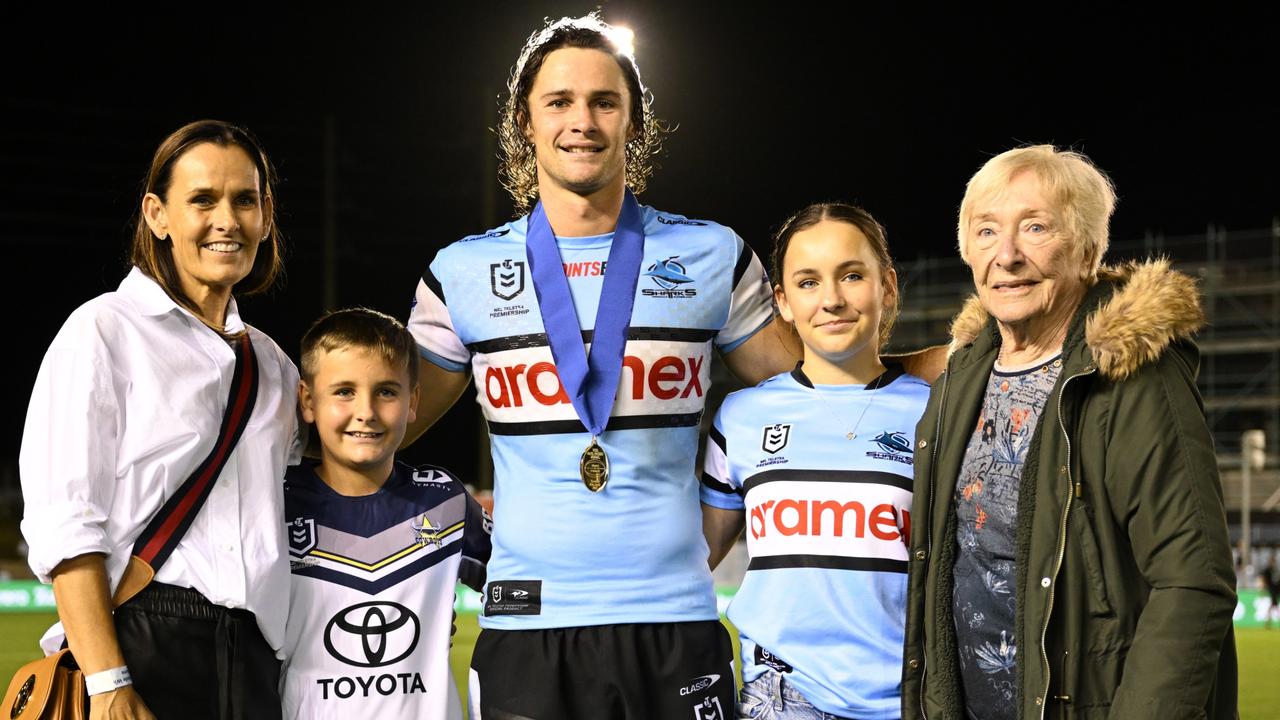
(1259, 658)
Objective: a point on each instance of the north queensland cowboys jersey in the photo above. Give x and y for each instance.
(371, 606)
(564, 556)
(827, 523)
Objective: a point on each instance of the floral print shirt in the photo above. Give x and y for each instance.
(986, 505)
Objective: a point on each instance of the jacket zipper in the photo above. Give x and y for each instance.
(928, 536)
(1062, 545)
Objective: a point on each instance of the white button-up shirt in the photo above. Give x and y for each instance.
(128, 401)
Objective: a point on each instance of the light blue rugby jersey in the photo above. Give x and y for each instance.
(827, 525)
(634, 552)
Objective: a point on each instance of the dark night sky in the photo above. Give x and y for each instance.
(891, 109)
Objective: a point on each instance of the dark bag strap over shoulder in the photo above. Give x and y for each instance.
(170, 524)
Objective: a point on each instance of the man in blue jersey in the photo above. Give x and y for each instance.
(598, 556)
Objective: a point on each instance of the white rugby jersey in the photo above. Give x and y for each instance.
(827, 522)
(634, 552)
(370, 609)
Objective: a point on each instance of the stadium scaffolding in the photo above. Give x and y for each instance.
(1239, 274)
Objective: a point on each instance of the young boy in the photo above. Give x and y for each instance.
(375, 546)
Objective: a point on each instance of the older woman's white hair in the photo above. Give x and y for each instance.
(1081, 192)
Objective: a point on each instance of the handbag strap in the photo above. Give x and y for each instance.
(166, 529)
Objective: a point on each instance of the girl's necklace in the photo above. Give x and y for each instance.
(873, 387)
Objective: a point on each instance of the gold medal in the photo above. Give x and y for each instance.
(594, 467)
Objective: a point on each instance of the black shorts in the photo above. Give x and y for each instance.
(195, 660)
(655, 671)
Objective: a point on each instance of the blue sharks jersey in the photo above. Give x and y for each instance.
(371, 602)
(827, 524)
(634, 552)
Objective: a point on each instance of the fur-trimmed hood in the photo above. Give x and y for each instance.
(1151, 307)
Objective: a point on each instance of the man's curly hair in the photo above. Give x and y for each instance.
(519, 169)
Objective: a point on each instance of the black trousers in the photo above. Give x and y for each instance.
(658, 671)
(193, 660)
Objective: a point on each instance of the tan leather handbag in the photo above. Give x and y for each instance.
(51, 687)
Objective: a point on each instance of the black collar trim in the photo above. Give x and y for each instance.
(891, 372)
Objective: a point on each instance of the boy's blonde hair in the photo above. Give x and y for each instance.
(359, 328)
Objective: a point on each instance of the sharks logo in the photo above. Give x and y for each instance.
(775, 437)
(506, 279)
(425, 533)
(895, 446)
(670, 275)
(302, 536)
(893, 442)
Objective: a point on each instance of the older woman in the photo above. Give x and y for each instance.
(1070, 557)
(128, 405)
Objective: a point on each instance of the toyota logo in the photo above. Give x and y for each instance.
(372, 634)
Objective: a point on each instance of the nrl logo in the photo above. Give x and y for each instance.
(708, 709)
(425, 533)
(775, 437)
(506, 279)
(302, 536)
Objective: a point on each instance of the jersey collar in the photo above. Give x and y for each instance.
(891, 373)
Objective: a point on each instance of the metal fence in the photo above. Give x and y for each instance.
(1239, 274)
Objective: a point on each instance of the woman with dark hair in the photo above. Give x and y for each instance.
(816, 464)
(158, 400)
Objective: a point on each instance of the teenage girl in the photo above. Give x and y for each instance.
(816, 464)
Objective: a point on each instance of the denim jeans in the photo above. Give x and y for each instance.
(771, 697)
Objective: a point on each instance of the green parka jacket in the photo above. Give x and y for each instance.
(1125, 588)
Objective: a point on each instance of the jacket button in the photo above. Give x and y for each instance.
(923, 443)
(1039, 701)
(1044, 582)
(920, 555)
(913, 664)
(1063, 470)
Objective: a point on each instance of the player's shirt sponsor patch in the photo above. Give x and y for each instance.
(513, 597)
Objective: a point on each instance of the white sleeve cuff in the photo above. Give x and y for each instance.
(59, 532)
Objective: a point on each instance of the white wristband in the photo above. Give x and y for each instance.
(107, 680)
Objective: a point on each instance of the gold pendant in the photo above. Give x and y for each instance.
(594, 467)
(849, 436)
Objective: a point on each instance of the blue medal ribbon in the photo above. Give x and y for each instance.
(591, 384)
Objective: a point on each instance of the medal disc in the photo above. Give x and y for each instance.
(594, 467)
